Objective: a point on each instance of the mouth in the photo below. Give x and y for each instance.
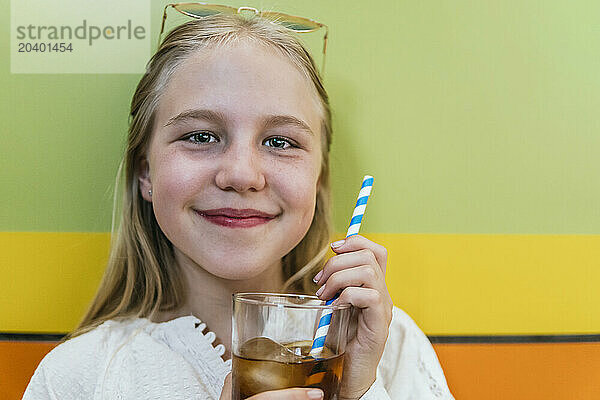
(236, 218)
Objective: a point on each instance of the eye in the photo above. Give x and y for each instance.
(278, 143)
(202, 137)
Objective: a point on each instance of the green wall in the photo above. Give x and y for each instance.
(474, 117)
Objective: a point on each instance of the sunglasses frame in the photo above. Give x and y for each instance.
(263, 14)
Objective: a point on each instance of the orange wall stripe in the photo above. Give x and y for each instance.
(18, 361)
(473, 371)
(542, 371)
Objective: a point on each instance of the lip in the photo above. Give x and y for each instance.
(236, 218)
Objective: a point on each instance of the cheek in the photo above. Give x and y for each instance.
(175, 178)
(304, 201)
(299, 188)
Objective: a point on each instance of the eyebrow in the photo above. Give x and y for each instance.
(271, 121)
(207, 115)
(274, 121)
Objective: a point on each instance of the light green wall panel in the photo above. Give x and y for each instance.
(474, 117)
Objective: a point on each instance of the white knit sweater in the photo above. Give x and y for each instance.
(139, 359)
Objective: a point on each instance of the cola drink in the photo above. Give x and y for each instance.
(271, 338)
(261, 364)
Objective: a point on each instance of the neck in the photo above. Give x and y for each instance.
(208, 297)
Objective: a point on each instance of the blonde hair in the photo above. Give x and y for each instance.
(142, 277)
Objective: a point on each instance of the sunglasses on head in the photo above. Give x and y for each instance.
(291, 22)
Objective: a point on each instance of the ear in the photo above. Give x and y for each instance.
(145, 183)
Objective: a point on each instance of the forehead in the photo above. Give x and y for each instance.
(243, 81)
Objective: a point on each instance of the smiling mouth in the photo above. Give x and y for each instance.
(236, 218)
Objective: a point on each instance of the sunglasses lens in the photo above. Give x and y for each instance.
(297, 24)
(200, 10)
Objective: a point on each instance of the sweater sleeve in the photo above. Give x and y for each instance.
(377, 391)
(37, 389)
(69, 371)
(409, 368)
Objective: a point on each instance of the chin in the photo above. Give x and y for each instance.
(237, 271)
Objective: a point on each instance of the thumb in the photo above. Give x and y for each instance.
(290, 394)
(226, 391)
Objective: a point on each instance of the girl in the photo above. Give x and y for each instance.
(227, 190)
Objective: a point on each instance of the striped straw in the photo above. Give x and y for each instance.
(357, 215)
(361, 205)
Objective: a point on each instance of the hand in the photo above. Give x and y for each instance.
(284, 394)
(358, 271)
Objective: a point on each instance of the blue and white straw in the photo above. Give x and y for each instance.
(357, 215)
(361, 205)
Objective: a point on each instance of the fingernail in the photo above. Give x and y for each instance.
(318, 276)
(314, 394)
(337, 244)
(320, 290)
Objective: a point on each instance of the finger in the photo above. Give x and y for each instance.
(290, 394)
(368, 276)
(226, 392)
(376, 306)
(344, 261)
(373, 318)
(357, 242)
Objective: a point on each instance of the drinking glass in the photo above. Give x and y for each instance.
(272, 336)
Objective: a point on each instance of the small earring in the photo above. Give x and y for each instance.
(150, 192)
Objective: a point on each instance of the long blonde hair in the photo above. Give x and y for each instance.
(142, 277)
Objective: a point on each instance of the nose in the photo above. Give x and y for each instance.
(240, 169)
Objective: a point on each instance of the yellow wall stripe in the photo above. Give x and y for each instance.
(48, 279)
(450, 284)
(496, 284)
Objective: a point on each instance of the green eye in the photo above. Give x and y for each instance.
(202, 137)
(278, 143)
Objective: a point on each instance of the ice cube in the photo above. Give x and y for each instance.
(261, 376)
(264, 348)
(266, 365)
